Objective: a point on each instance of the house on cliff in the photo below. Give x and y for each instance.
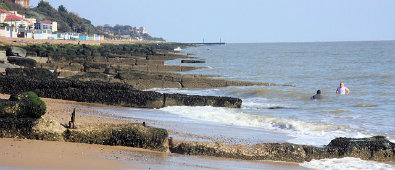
(23, 3)
(3, 14)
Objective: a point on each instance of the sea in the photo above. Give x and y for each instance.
(286, 113)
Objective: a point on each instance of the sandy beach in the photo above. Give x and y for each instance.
(36, 154)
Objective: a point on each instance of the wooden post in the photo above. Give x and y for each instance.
(72, 122)
(171, 143)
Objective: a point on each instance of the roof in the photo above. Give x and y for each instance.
(4, 11)
(14, 18)
(46, 22)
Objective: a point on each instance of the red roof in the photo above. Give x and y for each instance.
(14, 18)
(4, 11)
(46, 22)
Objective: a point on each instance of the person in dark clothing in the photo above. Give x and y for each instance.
(317, 96)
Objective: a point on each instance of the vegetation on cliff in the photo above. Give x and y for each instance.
(67, 21)
(4, 6)
(122, 30)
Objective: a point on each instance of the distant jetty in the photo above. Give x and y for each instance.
(214, 43)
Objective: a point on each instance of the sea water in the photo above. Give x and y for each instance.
(366, 68)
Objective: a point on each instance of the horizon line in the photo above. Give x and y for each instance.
(272, 42)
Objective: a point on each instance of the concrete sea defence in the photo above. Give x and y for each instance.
(108, 93)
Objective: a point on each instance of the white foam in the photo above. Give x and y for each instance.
(303, 132)
(346, 163)
(258, 102)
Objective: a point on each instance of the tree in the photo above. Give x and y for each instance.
(62, 10)
(4, 6)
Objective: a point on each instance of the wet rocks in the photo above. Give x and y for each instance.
(29, 128)
(22, 61)
(25, 105)
(133, 135)
(147, 80)
(195, 100)
(193, 61)
(32, 126)
(16, 51)
(108, 93)
(376, 148)
(30, 72)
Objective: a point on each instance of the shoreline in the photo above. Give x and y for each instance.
(37, 154)
(281, 156)
(61, 113)
(23, 153)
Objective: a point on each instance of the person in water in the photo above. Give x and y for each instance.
(317, 96)
(342, 90)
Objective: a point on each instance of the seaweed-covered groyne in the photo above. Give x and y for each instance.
(20, 117)
(376, 148)
(107, 93)
(132, 135)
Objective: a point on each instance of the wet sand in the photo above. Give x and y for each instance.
(56, 155)
(33, 154)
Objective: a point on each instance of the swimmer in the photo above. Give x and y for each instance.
(342, 90)
(317, 96)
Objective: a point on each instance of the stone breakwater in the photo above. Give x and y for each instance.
(108, 93)
(376, 148)
(31, 125)
(132, 135)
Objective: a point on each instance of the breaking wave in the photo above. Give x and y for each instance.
(346, 163)
(312, 133)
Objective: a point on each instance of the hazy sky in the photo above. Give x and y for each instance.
(245, 20)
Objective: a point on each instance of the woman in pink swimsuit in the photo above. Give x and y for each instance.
(342, 90)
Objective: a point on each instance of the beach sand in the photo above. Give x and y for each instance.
(35, 154)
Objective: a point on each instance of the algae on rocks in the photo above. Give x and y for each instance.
(29, 128)
(133, 135)
(376, 148)
(108, 93)
(25, 105)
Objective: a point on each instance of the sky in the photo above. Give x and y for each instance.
(245, 21)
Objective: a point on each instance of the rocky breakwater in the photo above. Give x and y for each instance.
(107, 93)
(20, 117)
(147, 80)
(132, 135)
(376, 148)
